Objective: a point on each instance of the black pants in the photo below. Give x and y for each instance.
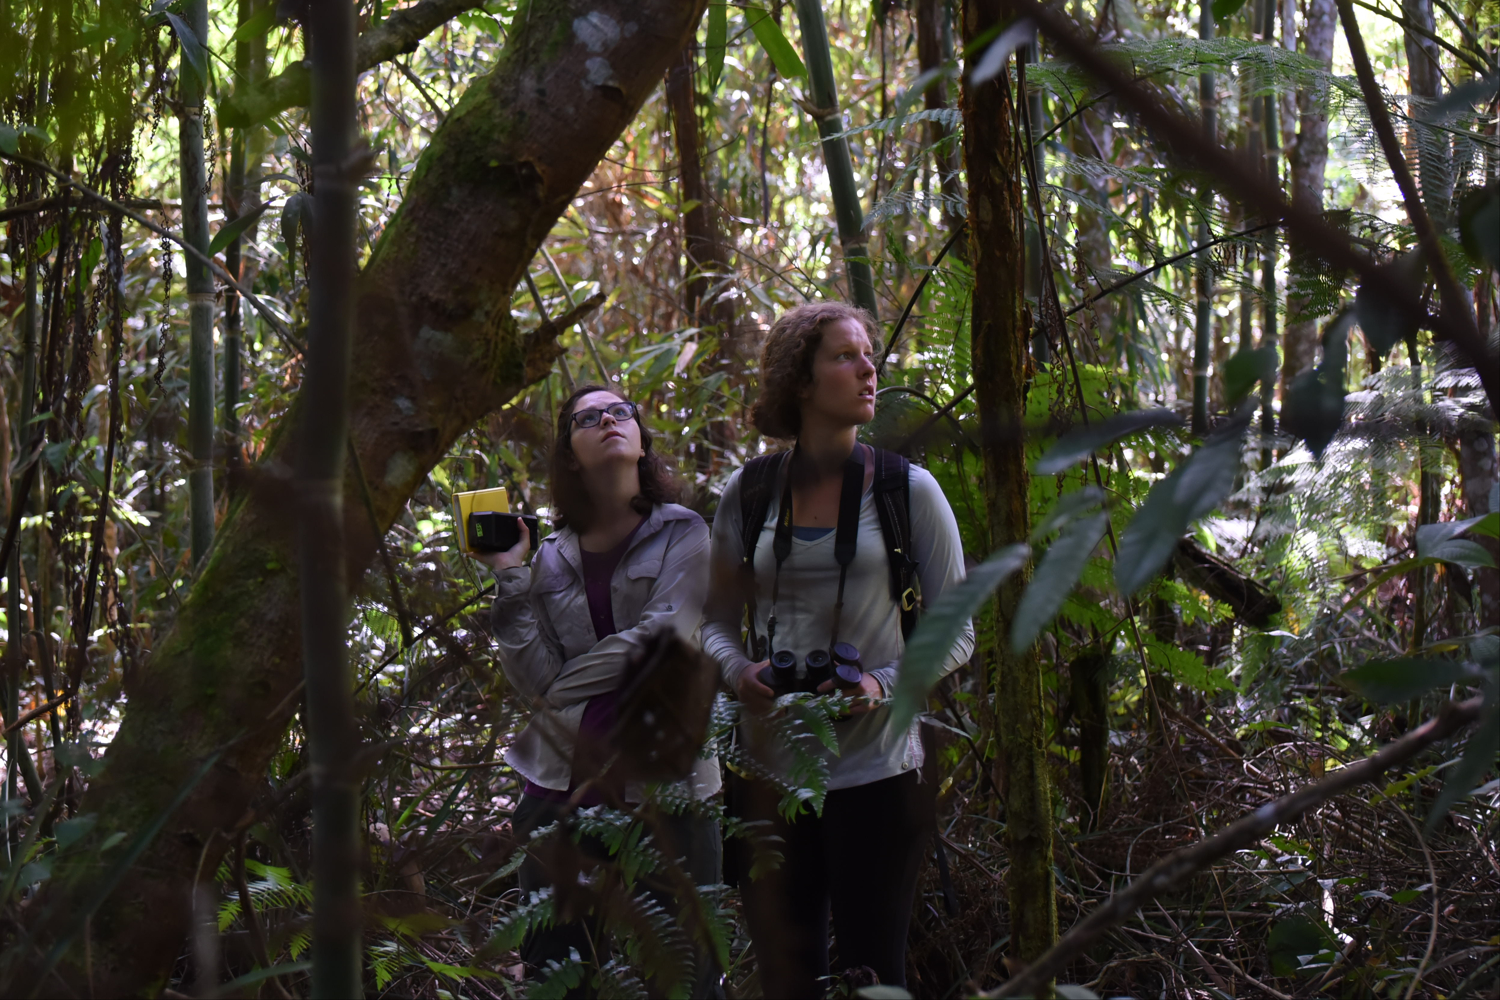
(694, 843)
(859, 860)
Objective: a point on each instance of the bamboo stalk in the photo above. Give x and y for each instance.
(1203, 318)
(824, 109)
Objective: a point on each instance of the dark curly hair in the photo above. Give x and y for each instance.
(571, 504)
(786, 363)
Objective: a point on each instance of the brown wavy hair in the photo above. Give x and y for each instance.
(786, 363)
(571, 504)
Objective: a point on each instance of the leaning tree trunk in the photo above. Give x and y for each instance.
(436, 350)
(1309, 162)
(997, 240)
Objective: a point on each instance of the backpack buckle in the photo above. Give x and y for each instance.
(908, 599)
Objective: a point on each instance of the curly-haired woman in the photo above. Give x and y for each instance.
(624, 563)
(808, 588)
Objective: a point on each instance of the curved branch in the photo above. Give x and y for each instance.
(398, 34)
(1172, 870)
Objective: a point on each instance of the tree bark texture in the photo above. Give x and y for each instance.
(435, 350)
(1309, 162)
(1477, 474)
(1000, 336)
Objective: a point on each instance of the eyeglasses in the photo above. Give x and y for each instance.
(621, 411)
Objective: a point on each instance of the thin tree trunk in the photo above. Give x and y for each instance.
(830, 119)
(241, 195)
(1477, 475)
(997, 237)
(200, 292)
(323, 432)
(438, 351)
(1270, 135)
(1203, 346)
(1309, 162)
(932, 52)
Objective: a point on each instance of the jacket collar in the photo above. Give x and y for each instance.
(569, 549)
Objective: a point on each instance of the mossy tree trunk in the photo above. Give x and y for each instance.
(1000, 336)
(435, 350)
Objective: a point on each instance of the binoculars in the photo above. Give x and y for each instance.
(841, 665)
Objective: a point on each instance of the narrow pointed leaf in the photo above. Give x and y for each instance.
(1479, 757)
(1246, 368)
(1054, 578)
(1068, 507)
(715, 43)
(234, 228)
(192, 47)
(942, 624)
(993, 61)
(1080, 442)
(1192, 490)
(258, 24)
(768, 33)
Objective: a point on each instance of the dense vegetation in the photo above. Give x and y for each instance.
(1245, 346)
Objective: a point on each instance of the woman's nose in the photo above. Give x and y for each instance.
(606, 416)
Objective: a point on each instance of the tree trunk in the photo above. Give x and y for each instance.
(997, 236)
(1203, 282)
(934, 42)
(841, 184)
(200, 292)
(1309, 161)
(1434, 148)
(1477, 475)
(437, 350)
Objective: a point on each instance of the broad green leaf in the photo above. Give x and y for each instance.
(1387, 681)
(1225, 9)
(1246, 368)
(768, 33)
(10, 140)
(1464, 97)
(192, 47)
(1054, 578)
(1486, 524)
(1479, 757)
(1479, 223)
(231, 230)
(1384, 323)
(715, 44)
(1313, 408)
(940, 627)
(1192, 490)
(296, 214)
(1068, 507)
(1080, 442)
(258, 24)
(1439, 541)
(1292, 939)
(69, 832)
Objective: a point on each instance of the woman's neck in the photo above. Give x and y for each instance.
(823, 449)
(611, 491)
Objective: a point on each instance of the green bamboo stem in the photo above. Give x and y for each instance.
(200, 294)
(824, 109)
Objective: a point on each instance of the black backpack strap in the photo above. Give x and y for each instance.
(757, 481)
(892, 489)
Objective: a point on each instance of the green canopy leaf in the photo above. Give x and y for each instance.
(715, 44)
(234, 228)
(1054, 578)
(1080, 442)
(1386, 681)
(768, 33)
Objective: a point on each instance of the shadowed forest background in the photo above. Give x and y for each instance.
(1190, 311)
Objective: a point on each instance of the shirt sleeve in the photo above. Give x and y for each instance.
(675, 601)
(725, 611)
(939, 554)
(531, 654)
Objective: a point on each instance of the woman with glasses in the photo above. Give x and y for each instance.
(623, 563)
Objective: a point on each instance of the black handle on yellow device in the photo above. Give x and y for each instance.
(492, 531)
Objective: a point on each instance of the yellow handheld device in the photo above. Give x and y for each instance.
(476, 502)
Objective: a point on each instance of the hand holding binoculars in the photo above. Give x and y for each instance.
(841, 665)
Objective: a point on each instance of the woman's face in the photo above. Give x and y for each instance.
(842, 392)
(607, 442)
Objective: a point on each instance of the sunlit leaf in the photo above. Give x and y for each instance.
(1054, 578)
(993, 61)
(768, 33)
(256, 25)
(1439, 541)
(1080, 442)
(940, 627)
(715, 44)
(192, 47)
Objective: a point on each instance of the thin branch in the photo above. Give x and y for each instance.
(1110, 290)
(1175, 868)
(204, 258)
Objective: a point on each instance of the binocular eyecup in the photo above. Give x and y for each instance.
(843, 667)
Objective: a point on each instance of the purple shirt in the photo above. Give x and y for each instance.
(600, 712)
